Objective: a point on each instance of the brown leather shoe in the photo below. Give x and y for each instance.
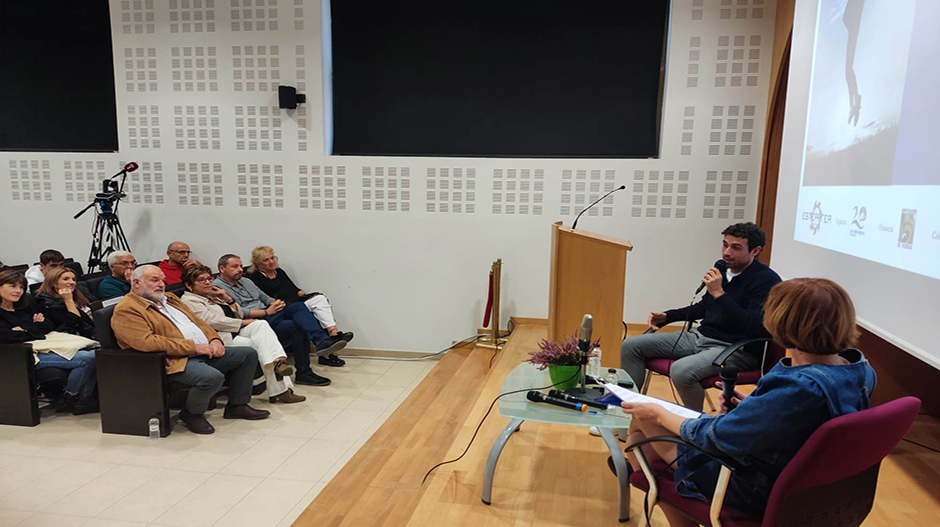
(243, 411)
(196, 423)
(287, 397)
(282, 369)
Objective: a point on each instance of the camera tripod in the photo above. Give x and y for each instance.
(107, 235)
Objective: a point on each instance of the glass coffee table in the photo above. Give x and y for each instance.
(519, 409)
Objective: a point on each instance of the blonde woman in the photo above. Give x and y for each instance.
(63, 304)
(273, 280)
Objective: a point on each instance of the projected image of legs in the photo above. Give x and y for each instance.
(852, 18)
(861, 46)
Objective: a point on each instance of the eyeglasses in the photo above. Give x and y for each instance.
(127, 264)
(181, 252)
(204, 280)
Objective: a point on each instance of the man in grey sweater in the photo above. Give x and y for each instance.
(285, 319)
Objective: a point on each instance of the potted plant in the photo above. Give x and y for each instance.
(563, 360)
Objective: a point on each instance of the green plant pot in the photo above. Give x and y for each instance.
(564, 377)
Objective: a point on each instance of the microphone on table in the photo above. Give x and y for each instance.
(584, 335)
(729, 377)
(575, 224)
(721, 266)
(539, 397)
(571, 398)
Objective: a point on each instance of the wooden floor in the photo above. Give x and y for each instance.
(548, 475)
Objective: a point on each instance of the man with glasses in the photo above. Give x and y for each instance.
(177, 258)
(122, 265)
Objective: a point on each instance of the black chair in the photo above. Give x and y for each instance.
(19, 380)
(93, 280)
(75, 266)
(132, 385)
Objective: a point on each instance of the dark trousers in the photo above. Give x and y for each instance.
(303, 318)
(205, 376)
(290, 333)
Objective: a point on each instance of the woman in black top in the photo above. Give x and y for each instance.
(19, 322)
(270, 278)
(63, 305)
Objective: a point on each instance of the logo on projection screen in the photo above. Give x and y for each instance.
(816, 218)
(906, 229)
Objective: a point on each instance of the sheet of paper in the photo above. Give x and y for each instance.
(630, 396)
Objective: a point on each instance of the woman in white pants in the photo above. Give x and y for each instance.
(267, 274)
(220, 311)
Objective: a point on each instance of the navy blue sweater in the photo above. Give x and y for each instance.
(739, 313)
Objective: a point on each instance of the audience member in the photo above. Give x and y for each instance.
(282, 317)
(20, 323)
(122, 264)
(823, 378)
(273, 280)
(53, 259)
(147, 319)
(177, 258)
(223, 314)
(48, 259)
(63, 305)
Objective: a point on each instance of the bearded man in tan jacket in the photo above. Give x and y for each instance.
(148, 319)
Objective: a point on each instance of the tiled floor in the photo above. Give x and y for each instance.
(65, 472)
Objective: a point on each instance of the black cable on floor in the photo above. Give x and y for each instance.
(457, 344)
(920, 445)
(490, 409)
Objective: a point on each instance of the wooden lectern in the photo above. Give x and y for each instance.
(588, 276)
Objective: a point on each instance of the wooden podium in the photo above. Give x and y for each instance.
(588, 276)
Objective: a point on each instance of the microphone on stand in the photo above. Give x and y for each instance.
(721, 266)
(575, 224)
(584, 335)
(130, 167)
(729, 377)
(584, 345)
(539, 397)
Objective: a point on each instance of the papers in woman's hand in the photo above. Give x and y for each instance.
(630, 396)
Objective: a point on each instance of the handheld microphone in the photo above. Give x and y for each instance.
(721, 266)
(130, 167)
(729, 377)
(584, 336)
(539, 397)
(575, 224)
(571, 398)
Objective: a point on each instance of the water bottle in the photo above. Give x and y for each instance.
(154, 428)
(594, 364)
(611, 377)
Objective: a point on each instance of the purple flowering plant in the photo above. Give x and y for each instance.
(564, 353)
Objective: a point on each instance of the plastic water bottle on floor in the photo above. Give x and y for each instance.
(594, 364)
(154, 428)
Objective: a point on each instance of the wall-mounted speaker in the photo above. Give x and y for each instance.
(287, 97)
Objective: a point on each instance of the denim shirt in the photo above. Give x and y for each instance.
(767, 429)
(246, 294)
